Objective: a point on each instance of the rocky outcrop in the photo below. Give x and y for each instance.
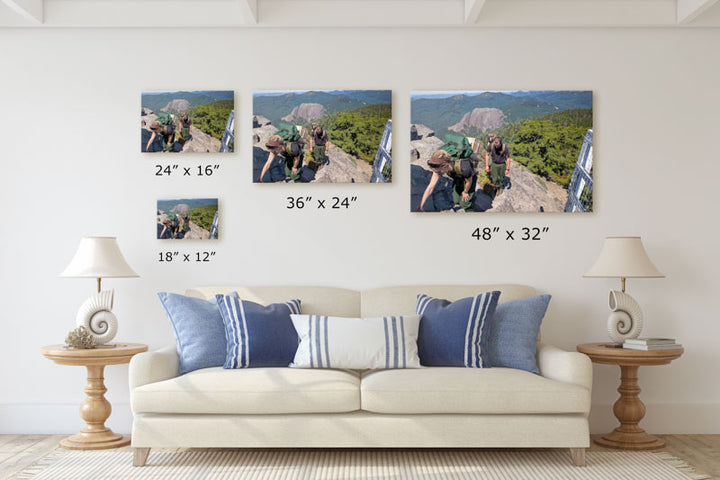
(200, 142)
(528, 192)
(177, 105)
(180, 208)
(343, 168)
(483, 119)
(524, 192)
(305, 112)
(423, 131)
(260, 121)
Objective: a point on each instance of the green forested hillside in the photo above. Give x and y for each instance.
(358, 132)
(548, 146)
(157, 100)
(441, 113)
(274, 107)
(212, 117)
(203, 216)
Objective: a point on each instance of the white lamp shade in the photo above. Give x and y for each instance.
(623, 257)
(98, 257)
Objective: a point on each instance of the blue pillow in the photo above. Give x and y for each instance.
(454, 334)
(514, 331)
(258, 336)
(199, 331)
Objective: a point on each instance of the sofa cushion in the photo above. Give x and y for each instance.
(257, 335)
(358, 343)
(198, 329)
(469, 390)
(513, 333)
(454, 334)
(251, 391)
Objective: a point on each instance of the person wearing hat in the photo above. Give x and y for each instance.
(186, 127)
(276, 147)
(319, 146)
(156, 129)
(168, 139)
(461, 172)
(500, 154)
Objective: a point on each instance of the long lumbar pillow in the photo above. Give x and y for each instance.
(356, 343)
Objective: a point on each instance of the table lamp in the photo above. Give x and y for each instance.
(623, 257)
(98, 257)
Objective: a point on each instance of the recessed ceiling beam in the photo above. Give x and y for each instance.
(29, 9)
(472, 10)
(250, 9)
(689, 10)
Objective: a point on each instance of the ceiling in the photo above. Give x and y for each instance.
(359, 13)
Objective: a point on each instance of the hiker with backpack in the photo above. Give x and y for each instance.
(500, 166)
(164, 128)
(456, 160)
(183, 225)
(293, 150)
(169, 226)
(185, 127)
(274, 168)
(319, 146)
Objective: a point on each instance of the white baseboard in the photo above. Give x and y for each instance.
(664, 418)
(65, 419)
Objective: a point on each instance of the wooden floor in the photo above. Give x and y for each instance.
(20, 451)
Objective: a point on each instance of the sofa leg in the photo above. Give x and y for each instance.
(140, 456)
(578, 456)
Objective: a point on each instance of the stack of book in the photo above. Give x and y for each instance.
(651, 344)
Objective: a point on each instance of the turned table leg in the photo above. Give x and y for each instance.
(629, 410)
(95, 409)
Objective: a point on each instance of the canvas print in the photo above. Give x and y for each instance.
(501, 151)
(198, 121)
(187, 219)
(322, 136)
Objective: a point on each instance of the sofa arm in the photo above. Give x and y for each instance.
(151, 367)
(563, 366)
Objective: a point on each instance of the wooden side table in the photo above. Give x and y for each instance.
(629, 410)
(95, 409)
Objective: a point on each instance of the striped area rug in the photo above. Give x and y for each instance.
(356, 464)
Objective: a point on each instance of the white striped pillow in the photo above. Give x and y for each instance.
(356, 343)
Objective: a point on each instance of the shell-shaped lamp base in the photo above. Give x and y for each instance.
(96, 315)
(626, 319)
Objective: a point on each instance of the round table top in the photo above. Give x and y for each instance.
(112, 354)
(612, 354)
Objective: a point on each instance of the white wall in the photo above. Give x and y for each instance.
(70, 166)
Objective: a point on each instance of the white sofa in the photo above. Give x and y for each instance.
(434, 407)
